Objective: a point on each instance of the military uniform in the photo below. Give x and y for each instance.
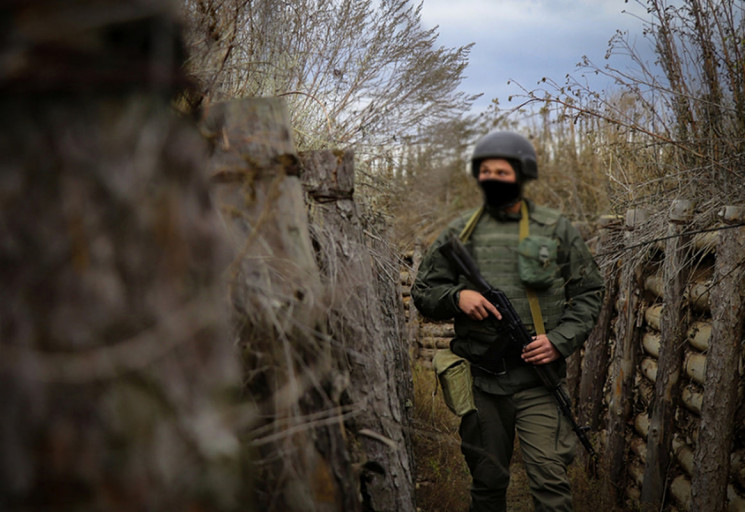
(509, 396)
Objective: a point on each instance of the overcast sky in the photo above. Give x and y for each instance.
(525, 40)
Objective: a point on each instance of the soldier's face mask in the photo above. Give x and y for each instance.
(500, 194)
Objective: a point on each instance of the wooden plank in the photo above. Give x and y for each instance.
(712, 461)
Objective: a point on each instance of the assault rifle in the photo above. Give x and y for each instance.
(515, 330)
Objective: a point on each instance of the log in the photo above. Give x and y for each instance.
(596, 360)
(692, 399)
(328, 177)
(623, 363)
(712, 461)
(649, 368)
(737, 462)
(361, 274)
(695, 366)
(641, 424)
(639, 448)
(656, 285)
(437, 330)
(651, 344)
(705, 243)
(633, 493)
(261, 198)
(432, 342)
(680, 489)
(413, 319)
(699, 335)
(645, 391)
(636, 472)
(673, 329)
(735, 501)
(280, 314)
(684, 456)
(653, 316)
(698, 295)
(425, 362)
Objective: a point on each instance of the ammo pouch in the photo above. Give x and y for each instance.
(536, 261)
(454, 376)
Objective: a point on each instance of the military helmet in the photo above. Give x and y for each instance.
(510, 146)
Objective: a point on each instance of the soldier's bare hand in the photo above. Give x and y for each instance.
(540, 351)
(475, 305)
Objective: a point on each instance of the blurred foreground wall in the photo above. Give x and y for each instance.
(116, 365)
(193, 316)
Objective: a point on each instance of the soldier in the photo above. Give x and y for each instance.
(533, 254)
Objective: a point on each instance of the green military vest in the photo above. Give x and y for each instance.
(494, 245)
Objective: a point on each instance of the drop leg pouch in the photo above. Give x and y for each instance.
(454, 376)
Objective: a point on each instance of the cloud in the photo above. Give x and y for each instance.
(526, 40)
(478, 14)
(508, 15)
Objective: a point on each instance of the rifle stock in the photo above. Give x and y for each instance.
(456, 253)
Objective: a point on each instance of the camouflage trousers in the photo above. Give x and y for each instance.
(546, 441)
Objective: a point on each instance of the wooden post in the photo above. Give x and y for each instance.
(597, 349)
(414, 320)
(367, 324)
(712, 454)
(673, 333)
(624, 360)
(260, 196)
(277, 298)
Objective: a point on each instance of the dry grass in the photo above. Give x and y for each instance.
(442, 478)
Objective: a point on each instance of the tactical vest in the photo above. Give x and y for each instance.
(494, 245)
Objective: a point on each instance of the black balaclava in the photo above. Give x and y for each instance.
(499, 194)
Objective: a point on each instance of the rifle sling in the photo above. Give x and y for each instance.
(535, 307)
(471, 225)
